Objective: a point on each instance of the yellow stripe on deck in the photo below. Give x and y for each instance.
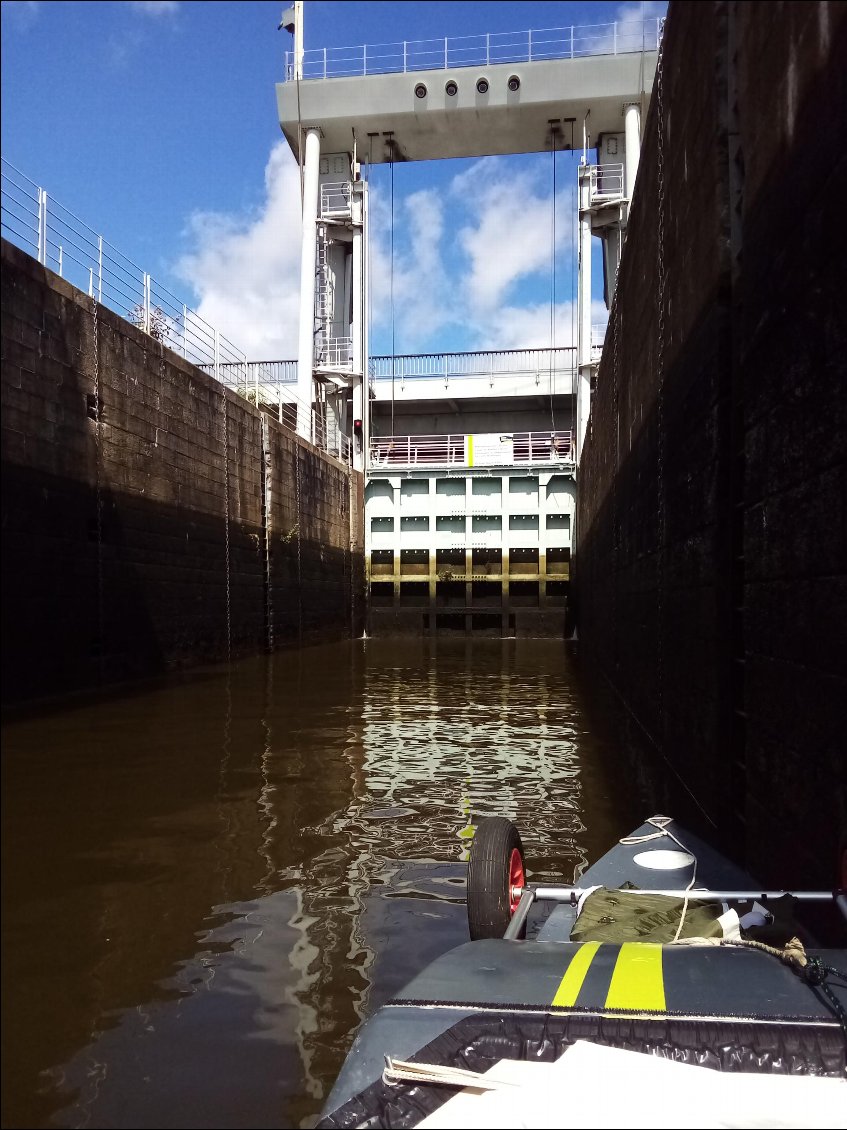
(470, 451)
(571, 983)
(637, 980)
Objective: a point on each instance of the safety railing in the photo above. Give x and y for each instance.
(482, 450)
(606, 182)
(268, 385)
(61, 241)
(440, 366)
(543, 447)
(572, 42)
(415, 451)
(335, 353)
(598, 338)
(537, 363)
(272, 372)
(335, 198)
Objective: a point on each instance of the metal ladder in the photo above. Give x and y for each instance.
(323, 296)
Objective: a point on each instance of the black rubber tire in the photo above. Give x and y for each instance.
(489, 910)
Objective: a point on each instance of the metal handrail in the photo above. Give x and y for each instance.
(412, 451)
(606, 181)
(335, 352)
(65, 243)
(572, 42)
(543, 447)
(503, 362)
(598, 339)
(336, 197)
(499, 362)
(519, 448)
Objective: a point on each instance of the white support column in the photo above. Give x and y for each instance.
(360, 376)
(306, 338)
(583, 396)
(632, 135)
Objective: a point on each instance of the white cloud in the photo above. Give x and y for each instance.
(155, 8)
(123, 44)
(528, 326)
(511, 233)
(120, 48)
(636, 24)
(22, 13)
(422, 304)
(246, 270)
(525, 327)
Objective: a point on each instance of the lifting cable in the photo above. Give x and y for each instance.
(553, 129)
(366, 390)
(391, 278)
(574, 277)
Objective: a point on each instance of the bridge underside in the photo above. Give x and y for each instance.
(390, 122)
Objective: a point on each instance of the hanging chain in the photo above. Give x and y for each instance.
(226, 530)
(660, 501)
(298, 528)
(98, 492)
(267, 500)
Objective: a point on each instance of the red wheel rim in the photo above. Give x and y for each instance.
(517, 880)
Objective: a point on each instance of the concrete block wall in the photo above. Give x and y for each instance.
(114, 547)
(710, 561)
(792, 354)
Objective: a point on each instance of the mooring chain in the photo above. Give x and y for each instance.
(98, 492)
(660, 403)
(226, 528)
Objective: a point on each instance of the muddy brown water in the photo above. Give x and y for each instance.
(210, 882)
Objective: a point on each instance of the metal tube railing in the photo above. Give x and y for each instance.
(571, 42)
(518, 448)
(504, 362)
(449, 366)
(606, 181)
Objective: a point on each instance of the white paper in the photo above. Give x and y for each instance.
(608, 1088)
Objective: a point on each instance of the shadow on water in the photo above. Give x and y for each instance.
(207, 885)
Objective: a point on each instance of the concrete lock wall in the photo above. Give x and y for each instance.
(710, 565)
(114, 536)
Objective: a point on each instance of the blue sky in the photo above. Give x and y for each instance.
(155, 123)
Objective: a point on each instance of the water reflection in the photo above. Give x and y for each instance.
(208, 884)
